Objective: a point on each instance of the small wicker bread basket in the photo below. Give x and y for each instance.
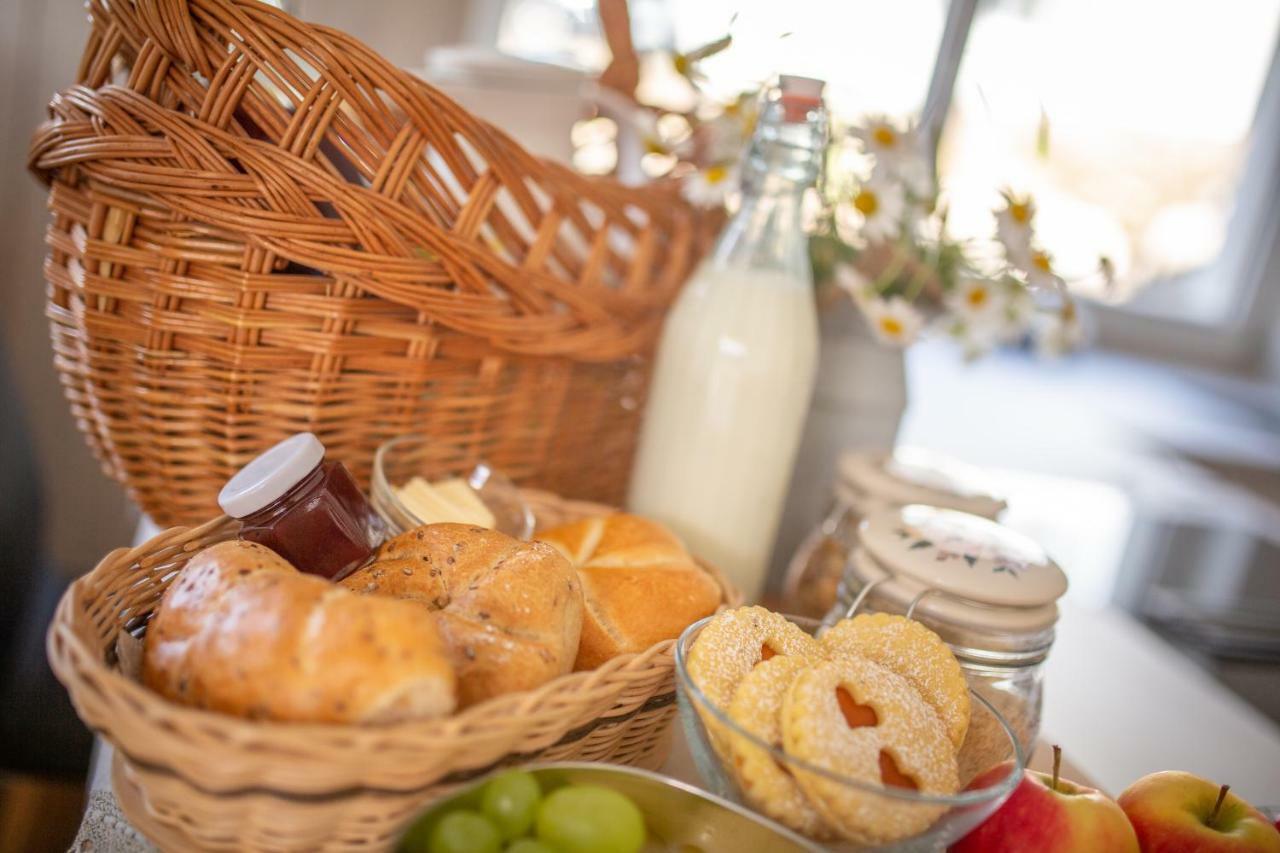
(193, 779)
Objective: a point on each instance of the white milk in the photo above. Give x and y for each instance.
(730, 391)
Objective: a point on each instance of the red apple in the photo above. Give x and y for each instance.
(1174, 812)
(1049, 814)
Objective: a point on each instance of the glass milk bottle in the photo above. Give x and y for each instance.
(735, 365)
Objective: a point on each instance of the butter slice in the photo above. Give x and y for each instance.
(460, 494)
(448, 501)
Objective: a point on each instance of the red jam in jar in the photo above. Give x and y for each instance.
(308, 510)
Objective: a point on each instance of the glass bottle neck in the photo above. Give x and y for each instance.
(782, 161)
(768, 230)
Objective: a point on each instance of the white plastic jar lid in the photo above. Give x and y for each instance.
(908, 475)
(267, 477)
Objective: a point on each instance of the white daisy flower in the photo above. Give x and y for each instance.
(1038, 266)
(1013, 227)
(886, 140)
(893, 321)
(707, 187)
(854, 283)
(975, 298)
(875, 211)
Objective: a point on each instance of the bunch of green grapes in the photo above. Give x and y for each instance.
(509, 814)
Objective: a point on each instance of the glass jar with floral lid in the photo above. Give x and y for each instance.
(988, 591)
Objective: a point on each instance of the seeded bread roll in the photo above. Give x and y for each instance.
(243, 632)
(639, 584)
(510, 611)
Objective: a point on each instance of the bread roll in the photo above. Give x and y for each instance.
(639, 584)
(241, 631)
(510, 611)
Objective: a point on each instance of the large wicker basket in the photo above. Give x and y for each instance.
(200, 780)
(261, 227)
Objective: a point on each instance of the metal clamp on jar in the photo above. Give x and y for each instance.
(988, 591)
(866, 481)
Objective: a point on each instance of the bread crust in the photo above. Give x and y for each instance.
(639, 584)
(510, 612)
(242, 632)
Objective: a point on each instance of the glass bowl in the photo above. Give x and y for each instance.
(989, 743)
(399, 460)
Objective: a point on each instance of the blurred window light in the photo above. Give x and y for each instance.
(1146, 107)
(1129, 121)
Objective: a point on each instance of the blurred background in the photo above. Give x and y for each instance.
(1149, 464)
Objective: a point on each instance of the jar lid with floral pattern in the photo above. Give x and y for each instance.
(971, 579)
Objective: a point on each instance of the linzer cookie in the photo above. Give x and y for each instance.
(911, 650)
(757, 709)
(867, 724)
(734, 642)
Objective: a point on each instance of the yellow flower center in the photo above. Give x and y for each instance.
(866, 203)
(682, 64)
(1020, 212)
(884, 136)
(1040, 260)
(976, 297)
(892, 327)
(715, 174)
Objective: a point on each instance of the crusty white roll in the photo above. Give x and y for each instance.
(639, 584)
(243, 632)
(510, 611)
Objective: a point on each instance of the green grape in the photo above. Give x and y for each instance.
(528, 845)
(590, 819)
(510, 800)
(465, 832)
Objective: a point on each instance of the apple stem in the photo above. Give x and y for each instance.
(1057, 765)
(1217, 807)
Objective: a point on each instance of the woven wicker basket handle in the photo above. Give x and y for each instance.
(316, 154)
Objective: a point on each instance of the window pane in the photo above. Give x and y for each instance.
(1146, 107)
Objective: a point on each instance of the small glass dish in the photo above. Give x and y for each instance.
(400, 459)
(989, 743)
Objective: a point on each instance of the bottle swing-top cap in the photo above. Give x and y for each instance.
(799, 96)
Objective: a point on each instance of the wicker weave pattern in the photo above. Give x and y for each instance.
(260, 226)
(229, 783)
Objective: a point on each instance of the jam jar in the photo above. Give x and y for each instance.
(867, 480)
(306, 508)
(988, 591)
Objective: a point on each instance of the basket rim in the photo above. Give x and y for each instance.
(76, 662)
